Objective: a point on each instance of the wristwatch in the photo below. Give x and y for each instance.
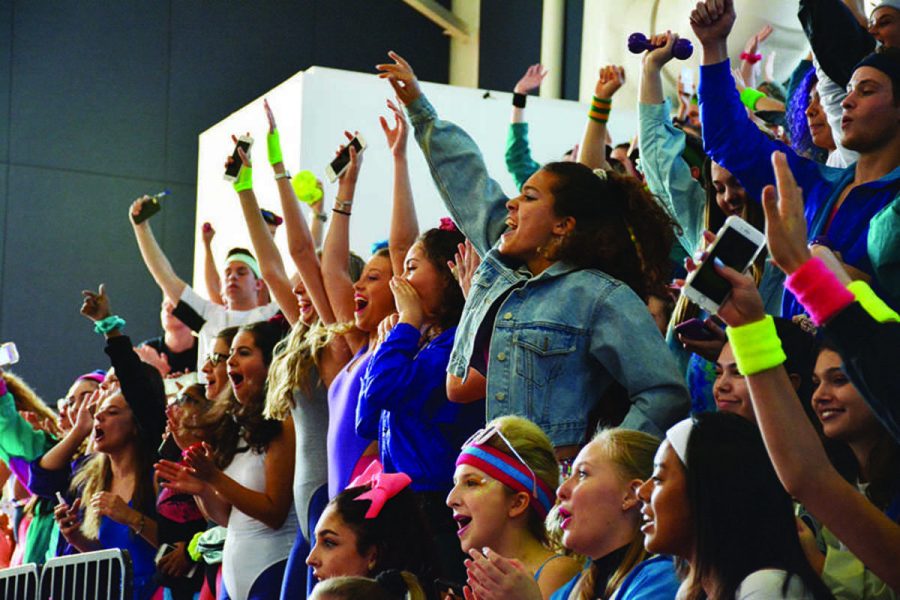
(283, 175)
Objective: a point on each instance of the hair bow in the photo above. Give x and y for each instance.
(384, 486)
(447, 224)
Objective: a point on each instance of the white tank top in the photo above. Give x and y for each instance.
(250, 545)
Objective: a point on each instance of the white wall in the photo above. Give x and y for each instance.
(314, 107)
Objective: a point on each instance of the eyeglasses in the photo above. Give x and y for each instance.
(184, 399)
(214, 358)
(483, 435)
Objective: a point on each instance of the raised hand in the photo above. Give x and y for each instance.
(385, 327)
(199, 459)
(610, 80)
(531, 80)
(408, 302)
(149, 355)
(96, 304)
(464, 265)
(401, 77)
(270, 116)
(208, 233)
(245, 160)
(712, 21)
(665, 45)
(351, 174)
(786, 232)
(752, 45)
(396, 136)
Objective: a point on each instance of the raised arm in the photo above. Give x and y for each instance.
(750, 57)
(593, 145)
(662, 145)
(270, 264)
(518, 153)
(17, 437)
(210, 271)
(837, 54)
(404, 224)
(476, 202)
(159, 266)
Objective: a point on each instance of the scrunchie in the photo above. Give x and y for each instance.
(447, 224)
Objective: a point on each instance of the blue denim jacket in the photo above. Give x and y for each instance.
(559, 338)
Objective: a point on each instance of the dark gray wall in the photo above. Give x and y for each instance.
(103, 101)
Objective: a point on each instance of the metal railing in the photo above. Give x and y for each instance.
(100, 575)
(19, 583)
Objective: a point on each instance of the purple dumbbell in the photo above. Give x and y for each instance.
(638, 42)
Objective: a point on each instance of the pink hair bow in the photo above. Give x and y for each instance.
(447, 224)
(384, 486)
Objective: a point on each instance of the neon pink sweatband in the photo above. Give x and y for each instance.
(818, 290)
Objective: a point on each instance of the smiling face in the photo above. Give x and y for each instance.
(482, 507)
(532, 222)
(870, 116)
(241, 286)
(247, 369)
(304, 303)
(730, 194)
(817, 121)
(598, 509)
(666, 511)
(844, 414)
(80, 390)
(422, 274)
(884, 25)
(335, 553)
(372, 294)
(215, 369)
(730, 387)
(114, 426)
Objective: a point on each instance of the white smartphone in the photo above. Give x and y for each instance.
(737, 245)
(342, 160)
(9, 354)
(234, 167)
(687, 80)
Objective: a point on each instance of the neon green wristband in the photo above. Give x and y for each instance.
(244, 179)
(192, 550)
(871, 303)
(750, 97)
(756, 346)
(273, 141)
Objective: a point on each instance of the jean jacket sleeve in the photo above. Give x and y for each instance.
(518, 154)
(667, 174)
(17, 437)
(646, 369)
(838, 54)
(397, 378)
(141, 393)
(475, 201)
(733, 141)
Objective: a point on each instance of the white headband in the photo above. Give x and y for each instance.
(678, 436)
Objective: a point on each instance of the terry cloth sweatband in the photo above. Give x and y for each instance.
(110, 323)
(819, 290)
(273, 143)
(678, 436)
(247, 260)
(888, 66)
(750, 97)
(756, 346)
(510, 472)
(871, 303)
(244, 179)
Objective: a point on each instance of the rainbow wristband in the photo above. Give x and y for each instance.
(599, 111)
(750, 97)
(871, 303)
(273, 142)
(819, 290)
(244, 179)
(756, 346)
(110, 323)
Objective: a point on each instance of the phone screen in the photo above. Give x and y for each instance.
(234, 167)
(734, 250)
(343, 159)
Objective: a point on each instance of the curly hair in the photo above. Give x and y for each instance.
(620, 228)
(798, 126)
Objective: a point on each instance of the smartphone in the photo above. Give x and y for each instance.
(449, 590)
(234, 167)
(737, 245)
(9, 354)
(687, 80)
(694, 329)
(166, 549)
(150, 206)
(342, 161)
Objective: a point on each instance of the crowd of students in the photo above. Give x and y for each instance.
(501, 406)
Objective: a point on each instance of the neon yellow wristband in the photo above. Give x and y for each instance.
(756, 346)
(871, 303)
(273, 141)
(244, 179)
(750, 96)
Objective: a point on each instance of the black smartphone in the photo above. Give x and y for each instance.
(694, 329)
(234, 167)
(449, 590)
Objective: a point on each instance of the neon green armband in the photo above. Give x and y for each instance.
(750, 97)
(192, 547)
(756, 346)
(273, 141)
(244, 179)
(871, 303)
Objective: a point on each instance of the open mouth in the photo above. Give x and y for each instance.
(360, 302)
(98, 434)
(511, 227)
(565, 518)
(826, 414)
(646, 522)
(462, 522)
(236, 379)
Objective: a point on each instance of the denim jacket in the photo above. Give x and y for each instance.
(559, 338)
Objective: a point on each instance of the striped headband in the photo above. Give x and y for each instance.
(510, 472)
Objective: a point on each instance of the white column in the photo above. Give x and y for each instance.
(552, 40)
(464, 52)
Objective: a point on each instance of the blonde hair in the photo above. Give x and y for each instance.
(292, 367)
(536, 450)
(631, 452)
(27, 400)
(364, 588)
